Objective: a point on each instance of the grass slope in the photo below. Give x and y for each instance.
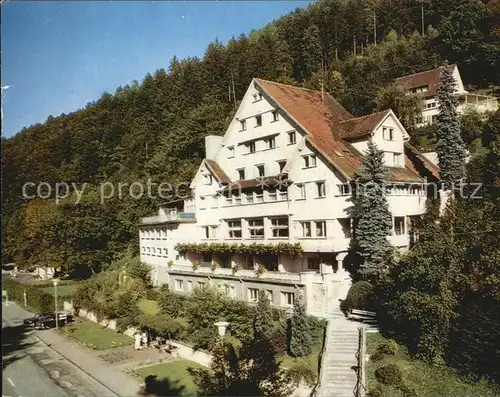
(95, 336)
(426, 379)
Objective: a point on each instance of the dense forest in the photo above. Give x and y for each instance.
(154, 130)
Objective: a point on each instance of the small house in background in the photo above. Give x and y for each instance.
(426, 83)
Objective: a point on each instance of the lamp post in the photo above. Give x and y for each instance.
(55, 282)
(222, 327)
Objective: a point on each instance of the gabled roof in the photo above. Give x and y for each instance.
(217, 171)
(429, 78)
(362, 126)
(328, 126)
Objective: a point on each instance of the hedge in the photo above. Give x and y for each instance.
(38, 299)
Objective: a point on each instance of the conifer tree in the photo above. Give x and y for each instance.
(263, 320)
(450, 146)
(372, 212)
(300, 340)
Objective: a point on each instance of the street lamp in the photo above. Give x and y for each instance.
(221, 327)
(55, 282)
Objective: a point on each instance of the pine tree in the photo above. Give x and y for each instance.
(372, 212)
(450, 146)
(263, 320)
(300, 340)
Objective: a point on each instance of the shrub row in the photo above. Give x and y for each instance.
(37, 299)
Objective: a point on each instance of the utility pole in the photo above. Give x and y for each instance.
(374, 26)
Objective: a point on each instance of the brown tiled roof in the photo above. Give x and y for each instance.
(429, 78)
(418, 160)
(217, 171)
(361, 126)
(328, 126)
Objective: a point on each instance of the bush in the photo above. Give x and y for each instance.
(376, 357)
(172, 304)
(38, 299)
(388, 348)
(408, 391)
(389, 374)
(361, 296)
(377, 392)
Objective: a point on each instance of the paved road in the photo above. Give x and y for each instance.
(26, 378)
(22, 376)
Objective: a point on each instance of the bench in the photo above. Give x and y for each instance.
(363, 313)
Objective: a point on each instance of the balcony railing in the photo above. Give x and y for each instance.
(169, 217)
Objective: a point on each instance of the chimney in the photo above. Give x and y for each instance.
(212, 146)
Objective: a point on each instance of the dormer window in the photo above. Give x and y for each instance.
(258, 120)
(243, 124)
(388, 133)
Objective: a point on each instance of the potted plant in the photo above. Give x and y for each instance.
(170, 264)
(196, 265)
(235, 268)
(259, 271)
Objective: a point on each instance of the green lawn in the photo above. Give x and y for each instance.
(426, 379)
(176, 375)
(95, 336)
(310, 362)
(62, 290)
(148, 306)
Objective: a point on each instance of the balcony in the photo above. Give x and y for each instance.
(184, 217)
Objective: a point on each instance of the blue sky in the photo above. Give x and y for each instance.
(57, 56)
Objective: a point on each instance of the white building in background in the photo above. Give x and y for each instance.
(280, 174)
(426, 83)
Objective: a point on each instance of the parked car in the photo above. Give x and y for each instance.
(46, 320)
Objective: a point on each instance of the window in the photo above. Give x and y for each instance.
(180, 255)
(301, 191)
(189, 286)
(269, 294)
(275, 115)
(320, 189)
(208, 179)
(207, 231)
(253, 294)
(143, 249)
(419, 120)
(243, 124)
(230, 149)
(207, 257)
(287, 298)
(258, 120)
(281, 165)
(313, 263)
(271, 195)
(292, 137)
(165, 252)
(229, 291)
(396, 158)
(237, 198)
(154, 251)
(271, 143)
(320, 228)
(241, 174)
(282, 194)
(234, 229)
(434, 119)
(306, 229)
(256, 228)
(344, 189)
(345, 223)
(309, 161)
(179, 285)
(279, 227)
(399, 225)
(251, 147)
(257, 96)
(210, 231)
(260, 170)
(388, 133)
(201, 285)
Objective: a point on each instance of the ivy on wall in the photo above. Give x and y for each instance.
(291, 250)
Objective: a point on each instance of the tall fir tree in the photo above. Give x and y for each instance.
(372, 212)
(263, 320)
(300, 339)
(450, 146)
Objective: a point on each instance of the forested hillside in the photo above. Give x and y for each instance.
(155, 129)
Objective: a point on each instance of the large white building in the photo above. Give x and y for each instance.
(279, 178)
(426, 83)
